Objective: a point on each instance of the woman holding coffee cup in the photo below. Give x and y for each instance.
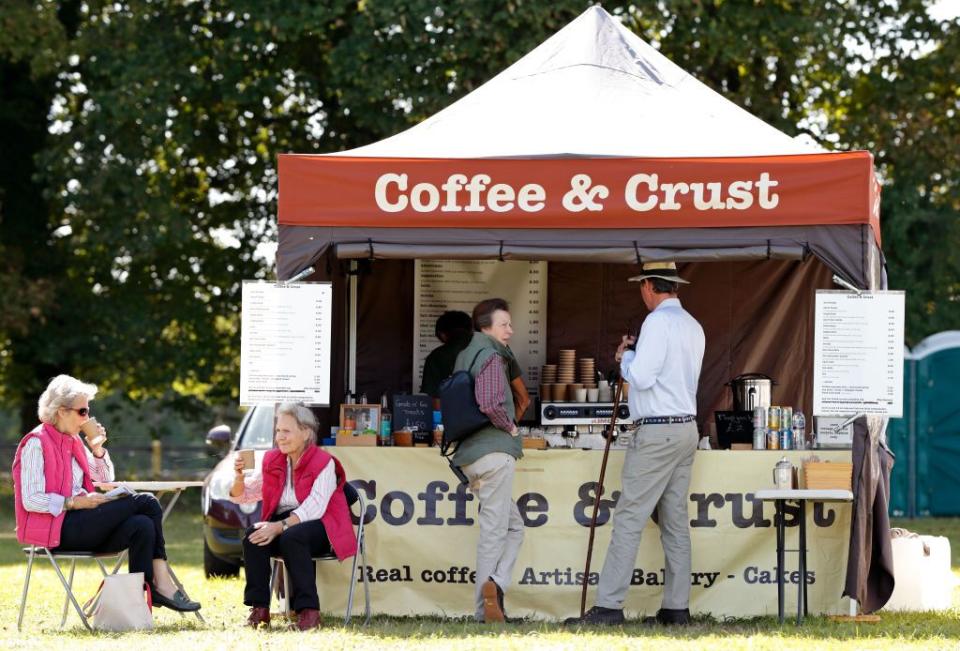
(57, 506)
(304, 511)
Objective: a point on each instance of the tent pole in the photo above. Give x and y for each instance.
(352, 330)
(911, 415)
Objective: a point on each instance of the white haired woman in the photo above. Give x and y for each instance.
(58, 508)
(304, 514)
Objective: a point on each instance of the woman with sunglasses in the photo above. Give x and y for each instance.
(58, 508)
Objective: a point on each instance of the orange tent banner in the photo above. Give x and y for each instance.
(798, 190)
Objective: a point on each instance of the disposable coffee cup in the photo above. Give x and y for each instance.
(91, 430)
(593, 395)
(580, 395)
(249, 458)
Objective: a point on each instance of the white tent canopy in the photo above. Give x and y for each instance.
(592, 89)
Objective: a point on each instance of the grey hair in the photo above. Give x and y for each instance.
(62, 391)
(303, 416)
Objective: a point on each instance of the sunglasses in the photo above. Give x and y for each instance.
(83, 411)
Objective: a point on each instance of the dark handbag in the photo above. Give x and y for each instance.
(459, 411)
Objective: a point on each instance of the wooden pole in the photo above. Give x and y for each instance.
(610, 434)
(156, 458)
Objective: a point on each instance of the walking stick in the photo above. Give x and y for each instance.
(609, 435)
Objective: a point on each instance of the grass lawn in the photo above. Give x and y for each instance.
(225, 614)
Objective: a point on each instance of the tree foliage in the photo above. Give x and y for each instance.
(138, 178)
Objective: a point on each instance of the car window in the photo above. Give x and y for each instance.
(258, 432)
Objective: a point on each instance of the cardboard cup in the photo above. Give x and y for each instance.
(593, 395)
(580, 395)
(249, 458)
(546, 393)
(90, 429)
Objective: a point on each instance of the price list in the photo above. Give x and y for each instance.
(858, 353)
(285, 343)
(441, 285)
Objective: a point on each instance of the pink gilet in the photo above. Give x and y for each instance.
(59, 450)
(336, 519)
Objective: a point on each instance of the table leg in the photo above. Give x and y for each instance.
(781, 535)
(173, 500)
(803, 559)
(801, 543)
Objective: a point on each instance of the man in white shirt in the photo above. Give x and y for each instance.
(662, 375)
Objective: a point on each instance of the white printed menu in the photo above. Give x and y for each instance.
(441, 285)
(286, 343)
(858, 353)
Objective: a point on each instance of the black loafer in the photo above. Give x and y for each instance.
(178, 602)
(597, 616)
(669, 617)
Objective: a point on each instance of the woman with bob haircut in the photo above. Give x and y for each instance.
(58, 508)
(305, 514)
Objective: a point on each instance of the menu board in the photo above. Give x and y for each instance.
(285, 343)
(858, 353)
(441, 285)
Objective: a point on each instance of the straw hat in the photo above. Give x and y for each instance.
(665, 270)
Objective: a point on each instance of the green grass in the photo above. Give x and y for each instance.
(225, 614)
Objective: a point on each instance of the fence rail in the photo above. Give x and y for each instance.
(141, 462)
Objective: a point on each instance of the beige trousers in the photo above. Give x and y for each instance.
(656, 475)
(501, 527)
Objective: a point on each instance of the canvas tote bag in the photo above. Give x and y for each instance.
(123, 603)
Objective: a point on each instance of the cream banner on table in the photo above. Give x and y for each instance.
(422, 534)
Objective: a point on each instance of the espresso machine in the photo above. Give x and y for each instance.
(581, 424)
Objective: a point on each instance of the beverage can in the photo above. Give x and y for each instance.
(759, 438)
(786, 439)
(773, 418)
(759, 417)
(773, 439)
(786, 419)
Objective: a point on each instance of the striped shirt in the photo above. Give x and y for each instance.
(35, 497)
(312, 508)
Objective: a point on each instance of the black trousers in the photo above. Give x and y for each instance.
(134, 523)
(296, 546)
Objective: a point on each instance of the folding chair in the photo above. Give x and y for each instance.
(73, 557)
(353, 497)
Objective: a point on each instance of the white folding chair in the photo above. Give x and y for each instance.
(67, 583)
(353, 497)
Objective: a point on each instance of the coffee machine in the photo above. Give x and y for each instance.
(581, 424)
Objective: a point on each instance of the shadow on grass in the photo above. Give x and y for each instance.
(906, 626)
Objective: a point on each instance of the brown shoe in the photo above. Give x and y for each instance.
(308, 618)
(259, 616)
(492, 610)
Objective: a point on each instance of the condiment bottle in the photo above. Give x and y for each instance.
(385, 437)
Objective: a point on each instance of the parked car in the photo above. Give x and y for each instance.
(224, 522)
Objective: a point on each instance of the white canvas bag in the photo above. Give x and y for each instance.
(123, 603)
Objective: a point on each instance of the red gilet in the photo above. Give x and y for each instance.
(59, 450)
(336, 519)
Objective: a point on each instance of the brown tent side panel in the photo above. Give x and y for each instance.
(757, 317)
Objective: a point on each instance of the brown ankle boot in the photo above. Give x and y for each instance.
(492, 602)
(259, 616)
(308, 618)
